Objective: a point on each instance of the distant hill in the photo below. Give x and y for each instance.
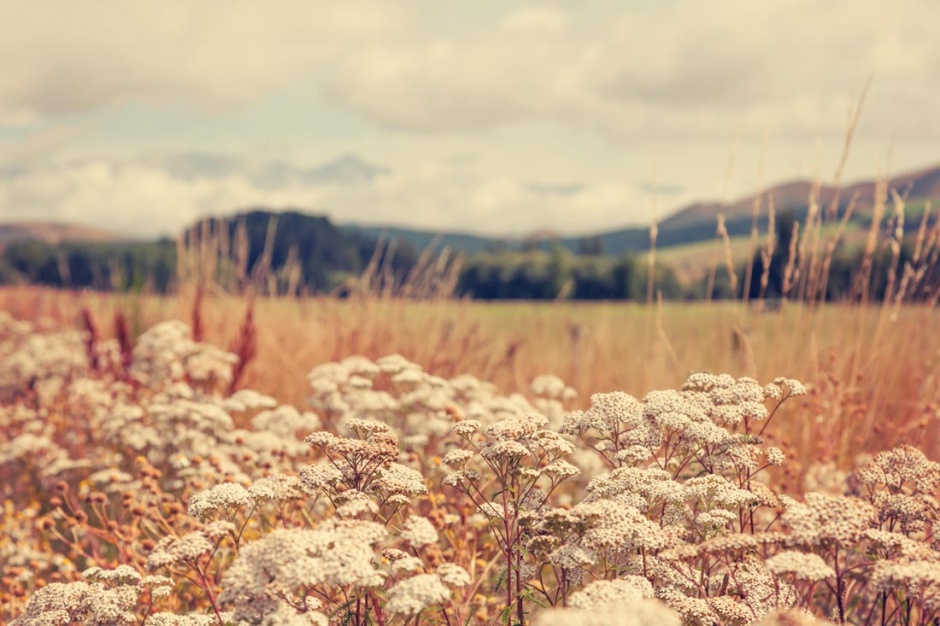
(794, 195)
(692, 224)
(327, 253)
(421, 239)
(53, 233)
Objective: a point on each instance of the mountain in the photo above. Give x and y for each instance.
(794, 195)
(694, 223)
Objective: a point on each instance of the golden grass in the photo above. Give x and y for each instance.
(874, 371)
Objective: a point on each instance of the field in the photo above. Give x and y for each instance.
(145, 483)
(592, 347)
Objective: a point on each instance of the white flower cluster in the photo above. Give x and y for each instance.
(166, 353)
(189, 548)
(634, 613)
(418, 406)
(42, 361)
(95, 604)
(661, 509)
(285, 562)
(226, 497)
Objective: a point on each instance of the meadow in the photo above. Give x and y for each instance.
(215, 459)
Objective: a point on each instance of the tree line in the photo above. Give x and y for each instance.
(323, 258)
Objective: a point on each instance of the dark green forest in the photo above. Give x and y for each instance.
(323, 258)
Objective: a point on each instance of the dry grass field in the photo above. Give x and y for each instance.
(874, 371)
(212, 460)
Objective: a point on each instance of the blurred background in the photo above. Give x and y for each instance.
(512, 120)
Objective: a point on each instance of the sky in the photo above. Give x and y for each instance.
(492, 116)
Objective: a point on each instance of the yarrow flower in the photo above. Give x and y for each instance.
(223, 497)
(419, 532)
(415, 594)
(803, 566)
(453, 575)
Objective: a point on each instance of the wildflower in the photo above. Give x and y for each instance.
(172, 550)
(418, 531)
(494, 510)
(916, 577)
(407, 564)
(225, 496)
(413, 595)
(353, 503)
(792, 386)
(171, 619)
(285, 420)
(122, 574)
(64, 603)
(466, 428)
(278, 487)
(504, 450)
(397, 479)
(617, 527)
(314, 478)
(825, 518)
(457, 457)
(560, 470)
(803, 566)
(635, 613)
(337, 553)
(627, 589)
(218, 529)
(456, 479)
(248, 400)
(775, 456)
(453, 575)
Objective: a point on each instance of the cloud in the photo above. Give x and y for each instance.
(347, 169)
(673, 70)
(555, 189)
(39, 145)
(154, 194)
(62, 58)
(686, 69)
(662, 189)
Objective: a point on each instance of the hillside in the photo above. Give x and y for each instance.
(421, 239)
(690, 225)
(794, 195)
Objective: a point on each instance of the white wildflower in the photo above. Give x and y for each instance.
(803, 566)
(642, 612)
(453, 575)
(225, 497)
(775, 456)
(627, 589)
(418, 531)
(413, 595)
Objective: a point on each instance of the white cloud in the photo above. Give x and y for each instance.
(63, 57)
(579, 101)
(147, 196)
(689, 68)
(692, 68)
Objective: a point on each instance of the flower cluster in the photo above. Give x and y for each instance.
(146, 492)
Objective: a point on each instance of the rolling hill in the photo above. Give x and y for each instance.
(692, 224)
